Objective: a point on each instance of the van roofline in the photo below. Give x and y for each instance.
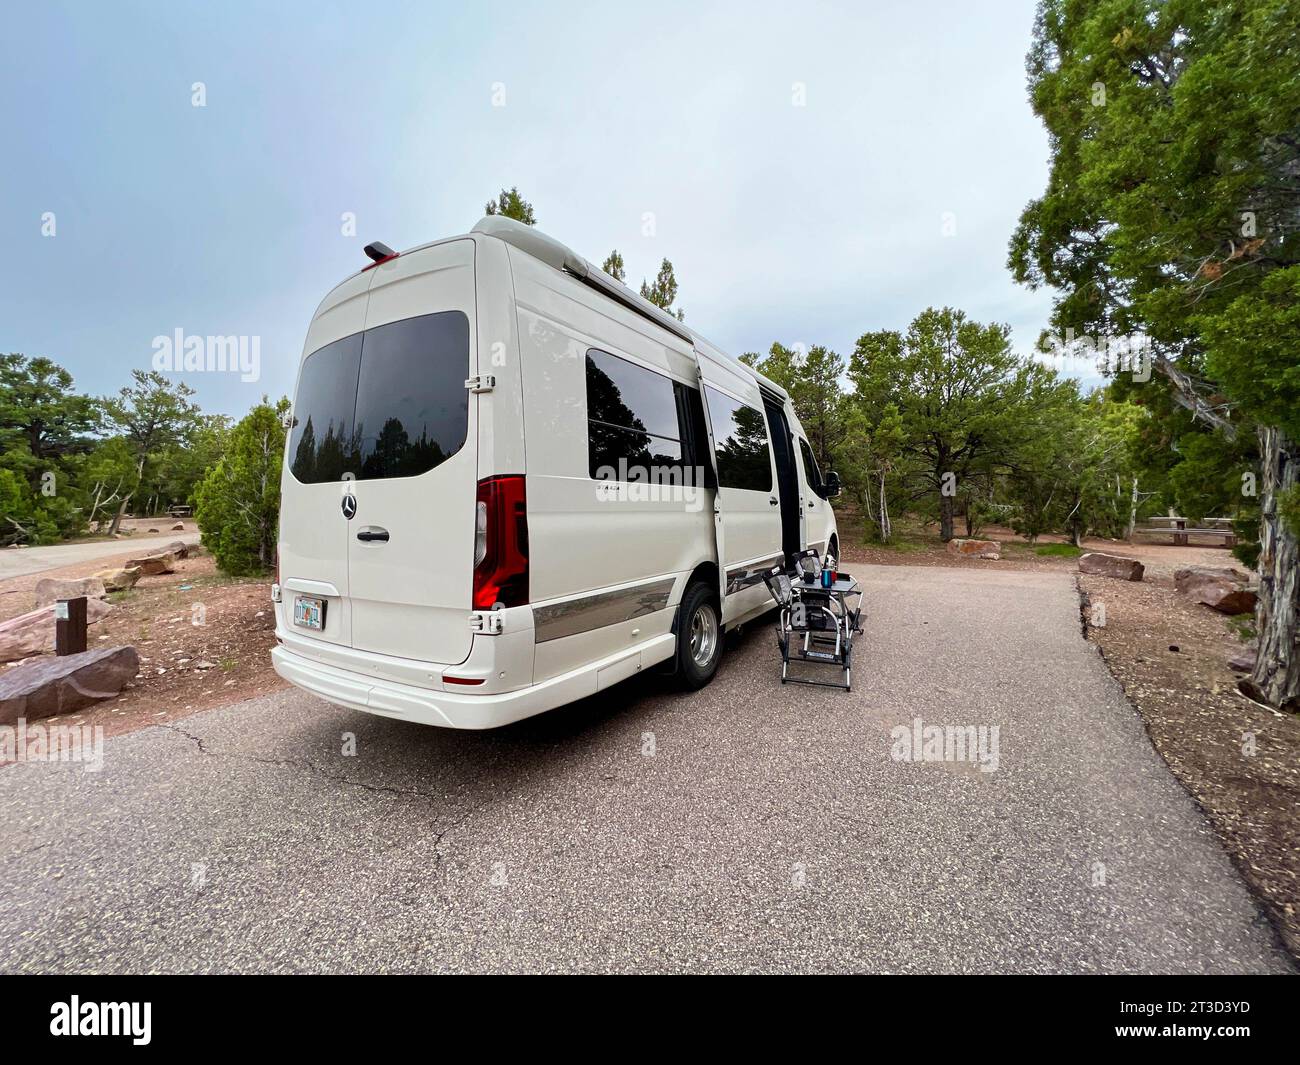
(533, 242)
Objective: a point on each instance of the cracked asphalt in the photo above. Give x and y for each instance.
(746, 827)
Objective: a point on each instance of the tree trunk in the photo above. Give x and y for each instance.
(117, 518)
(1276, 679)
(945, 517)
(1132, 511)
(126, 499)
(886, 527)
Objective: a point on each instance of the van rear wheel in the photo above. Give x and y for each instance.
(699, 637)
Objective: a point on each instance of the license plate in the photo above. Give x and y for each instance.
(308, 612)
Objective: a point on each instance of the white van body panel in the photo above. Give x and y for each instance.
(408, 594)
(609, 561)
(592, 544)
(313, 547)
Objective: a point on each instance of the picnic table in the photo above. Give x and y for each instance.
(1172, 523)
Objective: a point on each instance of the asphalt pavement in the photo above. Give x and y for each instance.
(746, 827)
(24, 561)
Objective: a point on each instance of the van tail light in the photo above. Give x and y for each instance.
(500, 543)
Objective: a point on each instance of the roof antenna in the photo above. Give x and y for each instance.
(379, 251)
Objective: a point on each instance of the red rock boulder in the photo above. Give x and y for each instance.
(975, 548)
(1101, 564)
(48, 686)
(51, 589)
(33, 633)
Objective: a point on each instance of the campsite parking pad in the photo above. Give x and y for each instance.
(745, 827)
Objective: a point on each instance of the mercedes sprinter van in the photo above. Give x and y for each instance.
(510, 482)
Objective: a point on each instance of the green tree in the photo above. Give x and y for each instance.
(613, 265)
(42, 418)
(663, 293)
(183, 465)
(512, 205)
(812, 380)
(239, 500)
(1170, 210)
(150, 414)
(45, 427)
(104, 478)
(968, 405)
(872, 463)
(22, 518)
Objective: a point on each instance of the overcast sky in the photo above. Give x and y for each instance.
(801, 162)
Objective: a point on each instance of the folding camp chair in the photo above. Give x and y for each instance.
(815, 624)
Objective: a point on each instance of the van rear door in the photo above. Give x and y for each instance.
(411, 540)
(313, 547)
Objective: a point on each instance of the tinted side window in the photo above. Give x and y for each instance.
(740, 437)
(388, 402)
(322, 446)
(632, 417)
(412, 406)
(813, 474)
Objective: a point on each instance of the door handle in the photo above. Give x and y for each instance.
(372, 534)
(773, 501)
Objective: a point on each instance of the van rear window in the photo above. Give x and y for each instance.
(388, 402)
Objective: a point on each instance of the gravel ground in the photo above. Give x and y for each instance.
(768, 830)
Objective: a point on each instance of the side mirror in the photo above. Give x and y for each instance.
(832, 485)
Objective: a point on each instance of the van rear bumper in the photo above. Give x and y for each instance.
(357, 691)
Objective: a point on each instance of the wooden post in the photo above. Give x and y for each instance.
(70, 626)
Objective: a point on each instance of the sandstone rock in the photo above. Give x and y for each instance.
(975, 548)
(48, 589)
(1227, 598)
(1221, 589)
(33, 633)
(48, 686)
(1187, 580)
(1117, 566)
(178, 548)
(1244, 660)
(119, 580)
(152, 565)
(178, 527)
(153, 530)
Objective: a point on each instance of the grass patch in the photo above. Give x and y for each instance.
(899, 545)
(1059, 551)
(1243, 625)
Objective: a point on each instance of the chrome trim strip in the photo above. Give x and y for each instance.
(748, 574)
(599, 609)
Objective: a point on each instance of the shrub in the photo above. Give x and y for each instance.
(238, 509)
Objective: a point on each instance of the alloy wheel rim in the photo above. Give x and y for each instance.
(704, 634)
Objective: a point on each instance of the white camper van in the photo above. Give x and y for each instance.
(510, 482)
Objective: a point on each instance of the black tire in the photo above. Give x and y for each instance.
(699, 637)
